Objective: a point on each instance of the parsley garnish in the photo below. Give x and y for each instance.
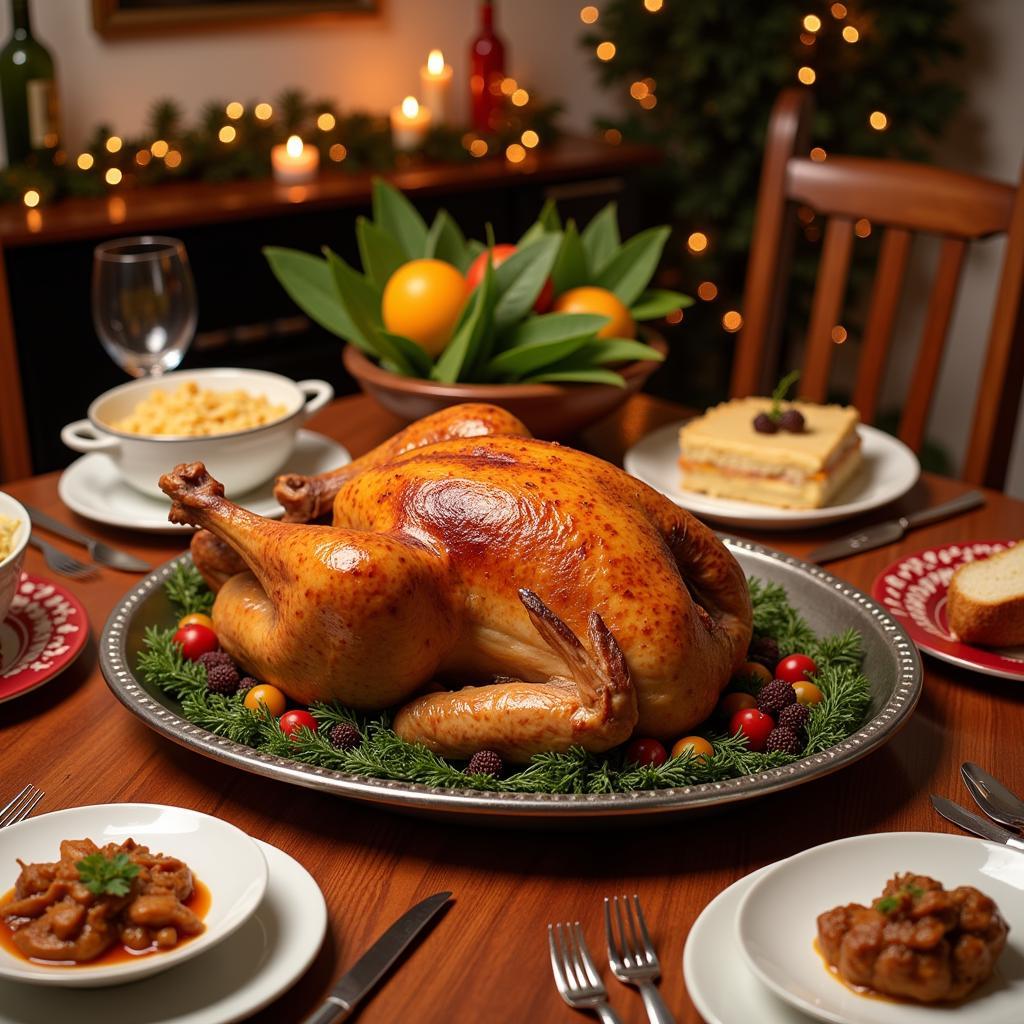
(887, 904)
(111, 876)
(780, 393)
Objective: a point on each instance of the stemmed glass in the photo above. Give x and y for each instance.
(144, 302)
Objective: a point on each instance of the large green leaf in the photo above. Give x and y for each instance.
(582, 376)
(547, 220)
(570, 266)
(473, 249)
(393, 213)
(381, 255)
(601, 239)
(445, 240)
(517, 362)
(634, 264)
(618, 350)
(519, 279)
(415, 355)
(308, 281)
(656, 302)
(554, 327)
(470, 340)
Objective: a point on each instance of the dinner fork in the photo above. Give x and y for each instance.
(631, 954)
(61, 563)
(21, 806)
(575, 973)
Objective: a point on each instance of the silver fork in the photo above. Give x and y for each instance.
(576, 975)
(61, 563)
(21, 806)
(632, 956)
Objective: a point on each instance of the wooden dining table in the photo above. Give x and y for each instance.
(486, 959)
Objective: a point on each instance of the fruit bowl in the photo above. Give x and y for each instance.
(550, 411)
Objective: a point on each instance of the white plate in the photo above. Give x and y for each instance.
(890, 469)
(93, 487)
(263, 959)
(721, 987)
(223, 857)
(777, 922)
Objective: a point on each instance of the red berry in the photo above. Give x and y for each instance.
(345, 736)
(647, 752)
(764, 424)
(195, 640)
(292, 721)
(795, 668)
(755, 725)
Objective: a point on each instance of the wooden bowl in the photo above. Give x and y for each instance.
(550, 411)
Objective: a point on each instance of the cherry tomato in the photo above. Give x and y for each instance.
(754, 670)
(733, 702)
(696, 745)
(754, 725)
(500, 253)
(196, 640)
(646, 751)
(264, 693)
(795, 667)
(807, 693)
(292, 721)
(196, 619)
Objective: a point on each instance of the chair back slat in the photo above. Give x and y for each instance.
(829, 291)
(929, 355)
(884, 302)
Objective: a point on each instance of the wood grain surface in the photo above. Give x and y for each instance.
(486, 959)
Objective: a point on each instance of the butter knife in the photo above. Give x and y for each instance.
(371, 966)
(971, 822)
(98, 551)
(892, 531)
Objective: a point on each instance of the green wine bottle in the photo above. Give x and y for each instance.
(28, 91)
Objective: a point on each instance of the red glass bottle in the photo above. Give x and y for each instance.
(487, 69)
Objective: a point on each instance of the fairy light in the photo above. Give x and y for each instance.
(818, 154)
(804, 214)
(263, 111)
(234, 110)
(515, 154)
(227, 134)
(850, 34)
(143, 157)
(159, 149)
(638, 90)
(674, 317)
(697, 242)
(508, 86)
(326, 121)
(31, 198)
(654, 5)
(85, 161)
(478, 147)
(649, 102)
(337, 152)
(173, 159)
(114, 144)
(808, 38)
(812, 22)
(838, 11)
(520, 98)
(529, 138)
(806, 75)
(878, 121)
(589, 14)
(707, 290)
(113, 176)
(732, 321)
(606, 50)
(862, 227)
(839, 334)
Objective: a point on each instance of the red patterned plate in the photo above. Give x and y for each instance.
(45, 630)
(914, 590)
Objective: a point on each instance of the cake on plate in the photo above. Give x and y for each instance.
(799, 458)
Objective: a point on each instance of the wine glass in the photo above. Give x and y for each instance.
(144, 302)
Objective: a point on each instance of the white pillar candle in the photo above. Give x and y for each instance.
(436, 87)
(409, 124)
(294, 163)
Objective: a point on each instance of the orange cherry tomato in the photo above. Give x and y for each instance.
(196, 619)
(696, 745)
(603, 302)
(733, 702)
(754, 670)
(807, 693)
(422, 301)
(264, 693)
(500, 253)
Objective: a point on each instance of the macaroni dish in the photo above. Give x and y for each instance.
(8, 533)
(191, 411)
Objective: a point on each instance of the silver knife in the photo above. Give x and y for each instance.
(971, 822)
(892, 531)
(370, 968)
(98, 551)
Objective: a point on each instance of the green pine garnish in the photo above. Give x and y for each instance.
(110, 876)
(780, 392)
(187, 591)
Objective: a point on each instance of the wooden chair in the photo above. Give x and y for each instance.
(902, 198)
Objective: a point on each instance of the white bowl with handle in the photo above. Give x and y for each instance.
(11, 563)
(242, 460)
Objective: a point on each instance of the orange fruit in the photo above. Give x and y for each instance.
(422, 300)
(697, 745)
(589, 299)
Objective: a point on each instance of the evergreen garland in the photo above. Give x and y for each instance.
(383, 755)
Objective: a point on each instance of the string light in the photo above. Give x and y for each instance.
(808, 38)
(606, 50)
(878, 121)
(818, 154)
(806, 75)
(839, 334)
(649, 102)
(227, 134)
(589, 14)
(838, 11)
(638, 90)
(263, 111)
(697, 242)
(707, 290)
(862, 228)
(675, 317)
(612, 136)
(478, 147)
(325, 122)
(173, 159)
(812, 22)
(143, 157)
(85, 161)
(520, 98)
(114, 144)
(530, 138)
(234, 110)
(159, 149)
(508, 86)
(515, 154)
(337, 152)
(113, 176)
(654, 5)
(732, 321)
(31, 198)
(850, 34)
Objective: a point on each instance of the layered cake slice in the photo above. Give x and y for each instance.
(722, 452)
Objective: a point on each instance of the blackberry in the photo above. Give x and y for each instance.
(222, 679)
(765, 651)
(345, 736)
(211, 658)
(778, 694)
(486, 762)
(247, 683)
(794, 717)
(784, 740)
(792, 420)
(764, 424)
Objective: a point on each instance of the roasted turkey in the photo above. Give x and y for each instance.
(571, 603)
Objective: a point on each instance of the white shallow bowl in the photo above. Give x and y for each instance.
(777, 923)
(240, 460)
(221, 856)
(10, 567)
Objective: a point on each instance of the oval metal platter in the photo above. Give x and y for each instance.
(828, 604)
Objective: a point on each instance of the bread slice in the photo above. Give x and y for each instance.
(986, 600)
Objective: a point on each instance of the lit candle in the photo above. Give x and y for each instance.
(435, 85)
(409, 124)
(294, 163)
